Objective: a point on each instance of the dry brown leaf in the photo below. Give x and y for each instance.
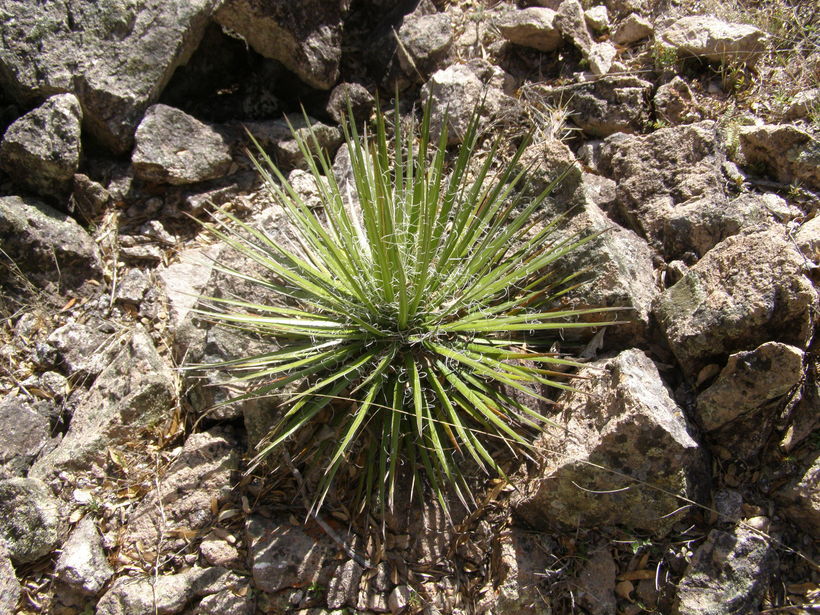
(637, 575)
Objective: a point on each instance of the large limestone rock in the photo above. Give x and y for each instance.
(116, 57)
(174, 148)
(618, 436)
(532, 27)
(747, 290)
(45, 243)
(41, 150)
(727, 574)
(30, 519)
(136, 389)
(716, 40)
(789, 153)
(304, 36)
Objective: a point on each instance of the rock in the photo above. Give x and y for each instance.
(174, 148)
(807, 239)
(596, 583)
(46, 244)
(532, 27)
(41, 150)
(167, 594)
(198, 479)
(89, 199)
(185, 279)
(601, 57)
(226, 602)
(801, 499)
(343, 589)
(790, 154)
(399, 598)
(675, 103)
(522, 562)
(283, 555)
(361, 102)
(82, 563)
(633, 29)
(278, 137)
(134, 390)
(25, 433)
(10, 589)
(82, 350)
(133, 286)
(115, 57)
(219, 552)
(424, 41)
(605, 106)
(802, 104)
(457, 90)
(30, 519)
(305, 36)
(747, 290)
(727, 574)
(572, 24)
(716, 40)
(622, 422)
(597, 18)
(750, 380)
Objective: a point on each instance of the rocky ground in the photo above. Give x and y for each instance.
(683, 475)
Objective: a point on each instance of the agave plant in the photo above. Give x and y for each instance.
(415, 294)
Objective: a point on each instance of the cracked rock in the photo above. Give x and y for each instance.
(82, 563)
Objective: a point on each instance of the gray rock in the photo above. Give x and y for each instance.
(597, 18)
(399, 598)
(201, 475)
(532, 27)
(747, 290)
(134, 390)
(457, 91)
(605, 106)
(304, 36)
(361, 102)
(219, 552)
(750, 380)
(82, 350)
(343, 589)
(277, 136)
(25, 432)
(82, 563)
(283, 555)
(167, 594)
(620, 429)
(133, 286)
(801, 499)
(226, 602)
(716, 40)
(572, 24)
(727, 574)
(596, 583)
(522, 562)
(675, 103)
(46, 244)
(787, 152)
(807, 239)
(174, 148)
(632, 29)
(89, 199)
(424, 41)
(30, 519)
(10, 589)
(801, 105)
(185, 279)
(115, 56)
(41, 150)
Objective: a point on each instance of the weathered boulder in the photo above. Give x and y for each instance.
(675, 103)
(801, 498)
(46, 244)
(30, 519)
(727, 574)
(25, 432)
(116, 57)
(531, 27)
(82, 350)
(10, 589)
(632, 29)
(787, 152)
(457, 91)
(747, 290)
(168, 594)
(174, 148)
(604, 106)
(82, 563)
(618, 436)
(198, 478)
(41, 150)
(135, 389)
(424, 41)
(716, 40)
(750, 380)
(304, 36)
(361, 102)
